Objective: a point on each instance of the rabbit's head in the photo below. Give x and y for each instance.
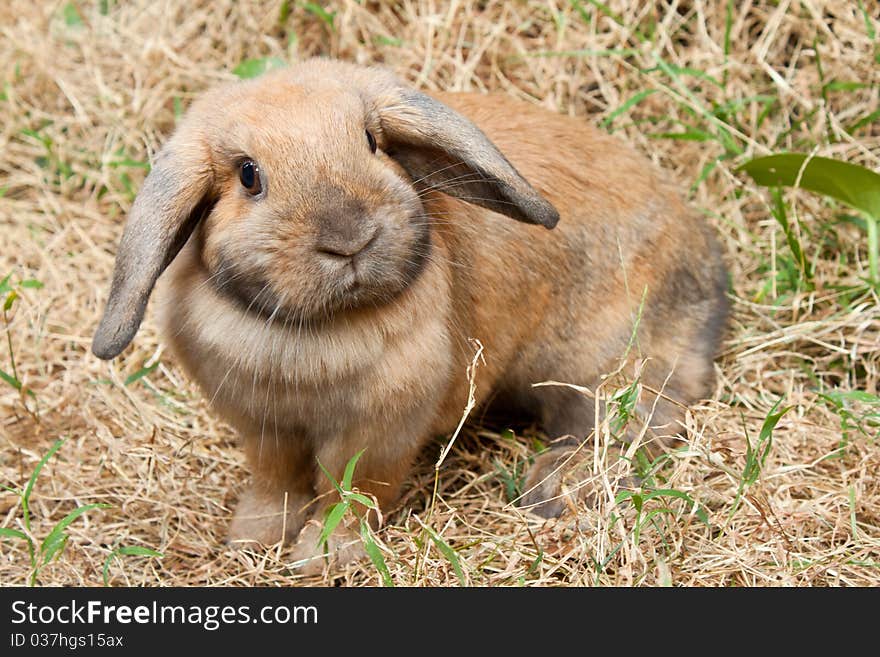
(306, 184)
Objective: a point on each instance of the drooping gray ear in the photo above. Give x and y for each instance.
(442, 149)
(174, 197)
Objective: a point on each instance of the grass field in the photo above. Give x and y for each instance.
(91, 89)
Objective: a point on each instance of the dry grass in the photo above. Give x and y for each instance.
(105, 90)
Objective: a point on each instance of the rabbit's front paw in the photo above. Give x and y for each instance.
(343, 546)
(561, 477)
(265, 519)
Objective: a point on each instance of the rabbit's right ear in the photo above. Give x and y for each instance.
(441, 149)
(174, 197)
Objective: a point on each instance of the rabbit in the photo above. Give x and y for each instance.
(333, 238)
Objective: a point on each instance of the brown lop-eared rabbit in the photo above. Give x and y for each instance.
(333, 239)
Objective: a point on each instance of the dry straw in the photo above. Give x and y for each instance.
(90, 89)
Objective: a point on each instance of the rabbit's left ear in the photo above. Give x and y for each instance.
(441, 149)
(173, 199)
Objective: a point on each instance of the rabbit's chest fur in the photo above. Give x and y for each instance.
(288, 378)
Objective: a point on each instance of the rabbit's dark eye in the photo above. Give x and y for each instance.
(371, 140)
(249, 174)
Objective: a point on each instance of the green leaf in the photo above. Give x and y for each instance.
(630, 102)
(382, 40)
(674, 71)
(51, 549)
(778, 210)
(869, 25)
(32, 284)
(865, 120)
(71, 15)
(349, 471)
(5, 285)
(13, 533)
(140, 374)
(375, 555)
(129, 162)
(138, 551)
(318, 11)
(57, 538)
(848, 183)
(283, 12)
(449, 553)
(691, 134)
(128, 550)
(770, 423)
(10, 299)
(363, 499)
(533, 567)
(607, 11)
(579, 8)
(26, 494)
(329, 476)
(252, 68)
(854, 395)
(11, 380)
(334, 517)
(841, 85)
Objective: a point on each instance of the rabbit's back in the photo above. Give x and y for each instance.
(627, 258)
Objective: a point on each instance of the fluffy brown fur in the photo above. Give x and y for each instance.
(331, 313)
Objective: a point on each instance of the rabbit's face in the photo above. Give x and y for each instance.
(314, 219)
(304, 185)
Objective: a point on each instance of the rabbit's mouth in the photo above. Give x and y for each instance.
(333, 289)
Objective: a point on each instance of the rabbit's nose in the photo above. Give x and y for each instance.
(345, 248)
(344, 227)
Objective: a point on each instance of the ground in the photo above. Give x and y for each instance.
(91, 89)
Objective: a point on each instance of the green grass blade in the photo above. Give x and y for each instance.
(868, 119)
(315, 9)
(252, 68)
(348, 474)
(105, 571)
(578, 6)
(283, 12)
(778, 210)
(606, 10)
(671, 492)
(362, 499)
(128, 550)
(375, 555)
(140, 374)
(449, 553)
(13, 533)
(630, 102)
(138, 551)
(11, 380)
(8, 532)
(334, 517)
(54, 547)
(57, 538)
(331, 478)
(869, 25)
(71, 15)
(765, 438)
(728, 27)
(26, 494)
